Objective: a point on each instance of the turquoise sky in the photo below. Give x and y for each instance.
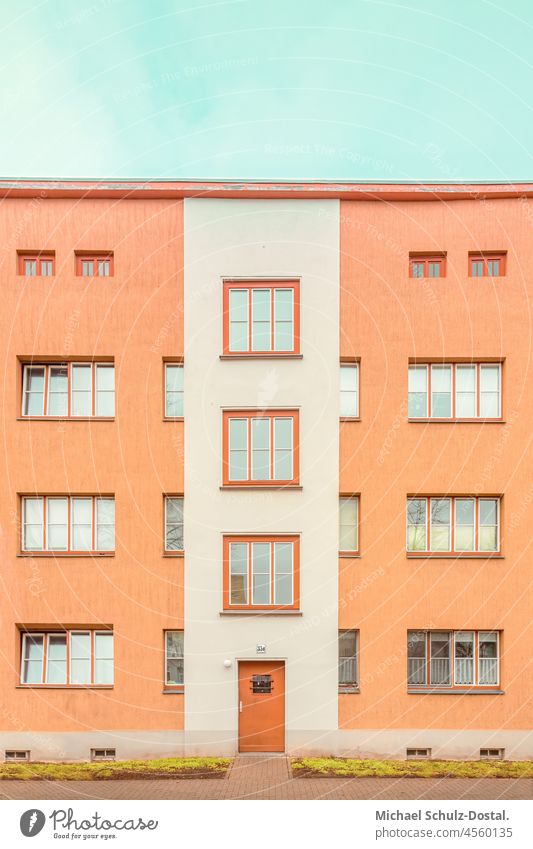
(345, 89)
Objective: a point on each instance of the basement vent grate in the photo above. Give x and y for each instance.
(103, 754)
(418, 754)
(492, 754)
(16, 755)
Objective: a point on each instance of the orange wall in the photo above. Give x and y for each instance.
(386, 318)
(135, 316)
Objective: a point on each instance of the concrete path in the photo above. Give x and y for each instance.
(269, 777)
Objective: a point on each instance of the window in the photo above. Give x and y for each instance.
(418, 754)
(349, 524)
(348, 677)
(487, 264)
(427, 265)
(261, 317)
(261, 448)
(458, 524)
(68, 524)
(174, 659)
(67, 658)
(94, 265)
(492, 754)
(349, 391)
(173, 390)
(103, 754)
(37, 264)
(173, 523)
(69, 390)
(261, 572)
(17, 755)
(453, 659)
(455, 391)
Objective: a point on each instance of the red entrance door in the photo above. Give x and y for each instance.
(261, 706)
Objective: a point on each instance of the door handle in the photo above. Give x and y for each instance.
(240, 707)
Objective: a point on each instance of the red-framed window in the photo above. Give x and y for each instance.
(36, 264)
(260, 448)
(491, 264)
(68, 524)
(453, 659)
(95, 264)
(174, 660)
(261, 572)
(75, 658)
(348, 525)
(455, 391)
(68, 390)
(427, 265)
(462, 525)
(261, 317)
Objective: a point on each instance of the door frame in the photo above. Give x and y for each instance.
(255, 659)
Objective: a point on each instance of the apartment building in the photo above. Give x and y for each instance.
(267, 469)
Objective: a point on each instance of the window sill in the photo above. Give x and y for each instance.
(171, 554)
(261, 356)
(65, 418)
(64, 686)
(459, 555)
(275, 612)
(291, 486)
(350, 418)
(173, 691)
(441, 691)
(455, 421)
(173, 418)
(349, 555)
(63, 554)
(348, 690)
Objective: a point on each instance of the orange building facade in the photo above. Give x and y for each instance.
(267, 469)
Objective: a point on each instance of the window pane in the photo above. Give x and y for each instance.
(105, 390)
(80, 658)
(283, 320)
(347, 658)
(464, 524)
(34, 391)
(434, 269)
(261, 319)
(418, 398)
(476, 268)
(260, 449)
(465, 391)
(464, 657)
(58, 391)
(174, 643)
(57, 524)
(283, 572)
(30, 268)
(238, 449)
(32, 667)
(174, 654)
(103, 266)
(81, 390)
(489, 400)
(440, 658)
(33, 524)
(416, 524)
(105, 524)
(488, 524)
(87, 268)
(493, 267)
(440, 524)
(349, 405)
(56, 672)
(488, 657)
(416, 652)
(417, 269)
(174, 524)
(238, 320)
(348, 510)
(103, 658)
(238, 573)
(441, 391)
(82, 524)
(46, 267)
(283, 449)
(260, 573)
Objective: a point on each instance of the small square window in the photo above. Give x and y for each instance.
(94, 264)
(491, 264)
(418, 754)
(492, 754)
(103, 754)
(16, 755)
(36, 264)
(427, 265)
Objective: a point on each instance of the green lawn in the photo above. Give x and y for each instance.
(351, 768)
(160, 768)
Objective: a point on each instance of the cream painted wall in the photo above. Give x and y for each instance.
(261, 238)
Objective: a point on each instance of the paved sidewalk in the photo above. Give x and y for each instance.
(269, 777)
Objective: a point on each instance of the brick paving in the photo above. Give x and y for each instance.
(269, 777)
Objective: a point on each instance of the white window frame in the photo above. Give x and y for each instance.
(476, 551)
(355, 392)
(44, 499)
(25, 635)
(429, 517)
(174, 391)
(174, 550)
(478, 365)
(171, 631)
